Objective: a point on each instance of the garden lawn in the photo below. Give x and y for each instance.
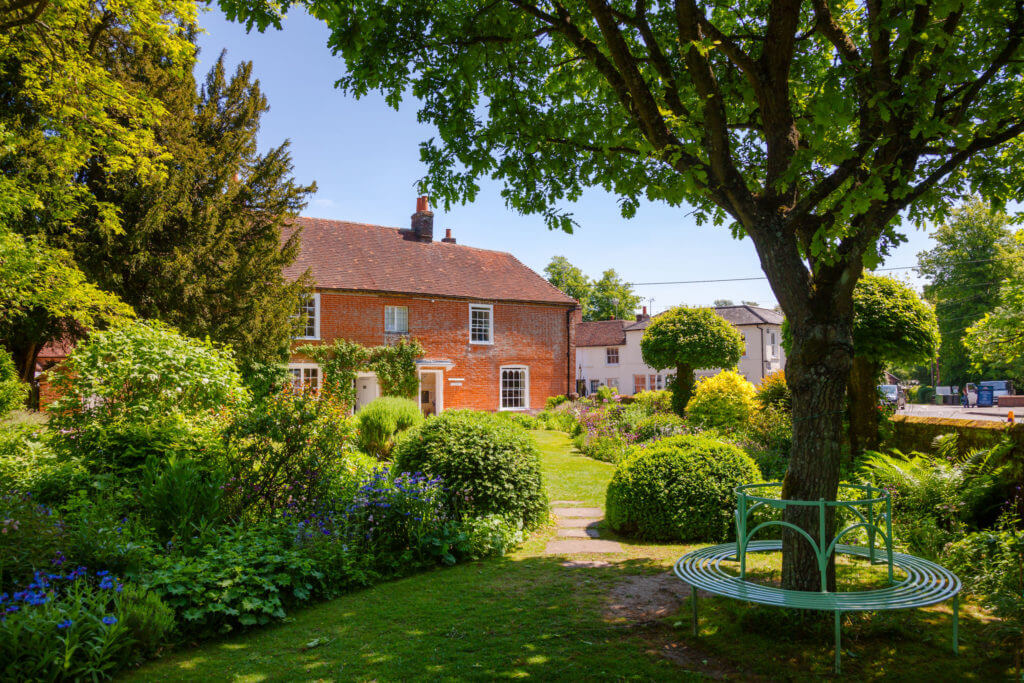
(527, 615)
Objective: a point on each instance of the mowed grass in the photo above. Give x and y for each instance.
(528, 616)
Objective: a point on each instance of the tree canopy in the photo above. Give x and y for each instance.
(891, 324)
(608, 297)
(970, 259)
(996, 342)
(689, 339)
(809, 127)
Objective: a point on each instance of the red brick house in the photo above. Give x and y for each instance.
(497, 335)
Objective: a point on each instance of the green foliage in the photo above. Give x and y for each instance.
(180, 498)
(995, 343)
(773, 391)
(247, 577)
(678, 489)
(340, 362)
(891, 323)
(767, 437)
(991, 565)
(12, 390)
(651, 401)
(552, 402)
(143, 371)
(82, 630)
(489, 465)
(690, 339)
(723, 401)
(572, 281)
(202, 246)
(380, 421)
(606, 448)
(395, 367)
(30, 536)
(658, 426)
(45, 297)
(605, 394)
(284, 452)
(608, 297)
(971, 254)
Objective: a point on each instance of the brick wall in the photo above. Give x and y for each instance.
(533, 335)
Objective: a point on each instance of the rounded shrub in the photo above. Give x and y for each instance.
(488, 465)
(382, 420)
(678, 489)
(724, 401)
(774, 392)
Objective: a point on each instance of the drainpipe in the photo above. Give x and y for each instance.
(568, 352)
(761, 329)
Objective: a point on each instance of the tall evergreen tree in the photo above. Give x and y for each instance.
(202, 248)
(965, 269)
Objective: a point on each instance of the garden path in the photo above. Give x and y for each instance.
(578, 531)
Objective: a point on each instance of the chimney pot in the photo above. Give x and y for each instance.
(448, 236)
(423, 220)
(640, 317)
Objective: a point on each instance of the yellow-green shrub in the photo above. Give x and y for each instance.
(724, 401)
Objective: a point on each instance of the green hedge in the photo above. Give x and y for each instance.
(914, 433)
(679, 489)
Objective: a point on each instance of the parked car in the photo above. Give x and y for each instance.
(892, 395)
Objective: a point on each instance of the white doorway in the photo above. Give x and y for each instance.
(367, 389)
(431, 394)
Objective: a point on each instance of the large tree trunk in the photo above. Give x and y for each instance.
(817, 371)
(863, 398)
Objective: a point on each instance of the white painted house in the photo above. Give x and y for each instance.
(608, 351)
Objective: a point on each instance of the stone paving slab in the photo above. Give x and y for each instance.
(579, 512)
(585, 564)
(577, 546)
(577, 522)
(579, 533)
(567, 502)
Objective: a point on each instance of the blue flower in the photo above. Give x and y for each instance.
(109, 621)
(64, 624)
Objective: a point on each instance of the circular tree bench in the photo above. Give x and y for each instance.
(924, 583)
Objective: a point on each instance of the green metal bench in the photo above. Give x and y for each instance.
(924, 583)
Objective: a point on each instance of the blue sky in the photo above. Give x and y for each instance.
(364, 157)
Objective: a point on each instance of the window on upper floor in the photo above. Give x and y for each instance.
(611, 355)
(515, 387)
(481, 324)
(309, 311)
(396, 319)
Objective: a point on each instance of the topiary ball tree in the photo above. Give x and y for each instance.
(487, 464)
(891, 324)
(689, 339)
(679, 489)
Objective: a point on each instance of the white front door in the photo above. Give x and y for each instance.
(366, 390)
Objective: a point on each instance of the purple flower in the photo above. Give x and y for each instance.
(64, 624)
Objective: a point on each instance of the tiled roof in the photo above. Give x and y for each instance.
(360, 257)
(750, 315)
(601, 333)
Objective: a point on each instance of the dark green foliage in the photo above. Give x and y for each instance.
(679, 489)
(30, 537)
(395, 367)
(180, 498)
(202, 248)
(603, 299)
(767, 437)
(488, 464)
(690, 339)
(12, 390)
(245, 578)
(963, 269)
(380, 421)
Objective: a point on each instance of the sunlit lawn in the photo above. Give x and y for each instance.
(526, 615)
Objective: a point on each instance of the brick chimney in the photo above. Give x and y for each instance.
(640, 317)
(448, 236)
(423, 220)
